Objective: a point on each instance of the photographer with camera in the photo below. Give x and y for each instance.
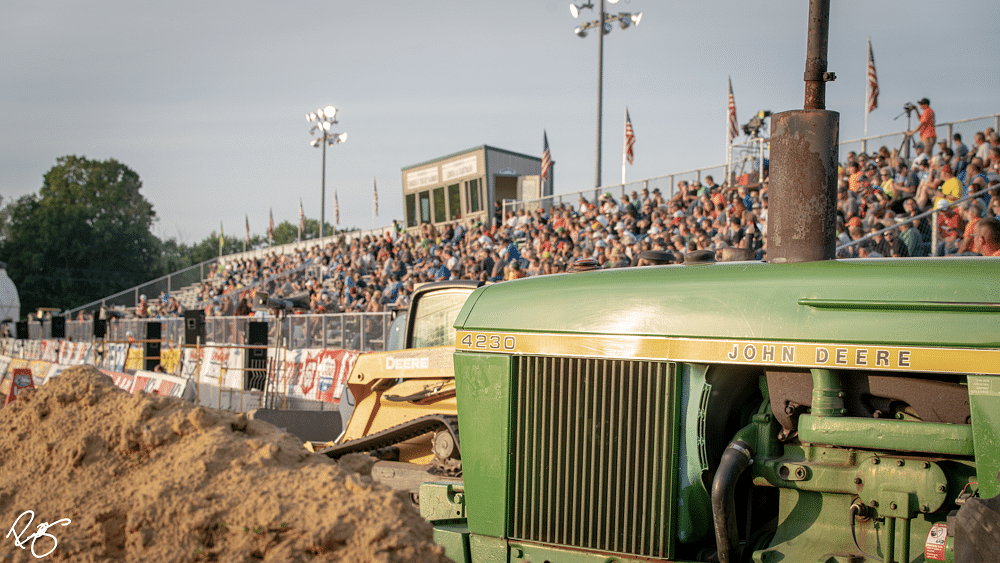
(928, 133)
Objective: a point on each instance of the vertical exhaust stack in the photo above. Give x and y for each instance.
(804, 160)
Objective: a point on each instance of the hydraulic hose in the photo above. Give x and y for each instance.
(737, 457)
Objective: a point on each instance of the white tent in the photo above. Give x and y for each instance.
(10, 303)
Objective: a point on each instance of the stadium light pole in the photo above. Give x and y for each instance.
(603, 23)
(323, 120)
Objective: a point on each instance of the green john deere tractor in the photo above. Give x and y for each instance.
(832, 411)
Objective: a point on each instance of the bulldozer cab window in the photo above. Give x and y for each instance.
(434, 319)
(397, 333)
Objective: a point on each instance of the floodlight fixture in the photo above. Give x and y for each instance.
(604, 26)
(575, 10)
(323, 120)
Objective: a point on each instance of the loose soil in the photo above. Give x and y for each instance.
(150, 478)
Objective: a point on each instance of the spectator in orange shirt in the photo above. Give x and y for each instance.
(928, 133)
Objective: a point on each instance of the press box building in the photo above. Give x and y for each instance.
(464, 185)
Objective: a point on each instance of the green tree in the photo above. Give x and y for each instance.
(85, 235)
(286, 232)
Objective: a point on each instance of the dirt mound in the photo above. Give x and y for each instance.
(149, 478)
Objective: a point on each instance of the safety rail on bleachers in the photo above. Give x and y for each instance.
(667, 185)
(151, 289)
(668, 182)
(966, 127)
(129, 298)
(305, 245)
(347, 331)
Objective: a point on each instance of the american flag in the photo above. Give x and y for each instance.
(733, 126)
(302, 219)
(629, 138)
(336, 208)
(375, 194)
(546, 156)
(270, 226)
(872, 79)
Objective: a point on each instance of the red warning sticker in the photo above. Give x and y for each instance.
(936, 538)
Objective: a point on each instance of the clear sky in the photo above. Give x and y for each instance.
(206, 100)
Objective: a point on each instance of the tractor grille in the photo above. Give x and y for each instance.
(594, 448)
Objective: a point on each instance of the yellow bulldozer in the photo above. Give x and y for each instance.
(405, 412)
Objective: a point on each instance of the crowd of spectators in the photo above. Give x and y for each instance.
(883, 201)
(377, 273)
(875, 192)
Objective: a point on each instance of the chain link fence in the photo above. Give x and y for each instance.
(343, 331)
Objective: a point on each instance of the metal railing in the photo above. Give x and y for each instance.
(169, 283)
(305, 245)
(348, 331)
(963, 126)
(667, 183)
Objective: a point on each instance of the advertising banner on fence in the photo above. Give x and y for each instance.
(314, 373)
(50, 351)
(170, 359)
(66, 351)
(212, 362)
(160, 383)
(134, 359)
(234, 369)
(122, 380)
(72, 353)
(214, 366)
(190, 362)
(115, 356)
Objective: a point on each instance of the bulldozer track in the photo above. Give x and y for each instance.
(397, 434)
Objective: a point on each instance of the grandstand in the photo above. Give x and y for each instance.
(367, 271)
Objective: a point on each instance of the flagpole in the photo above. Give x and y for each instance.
(729, 142)
(871, 91)
(624, 148)
(867, 94)
(730, 131)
